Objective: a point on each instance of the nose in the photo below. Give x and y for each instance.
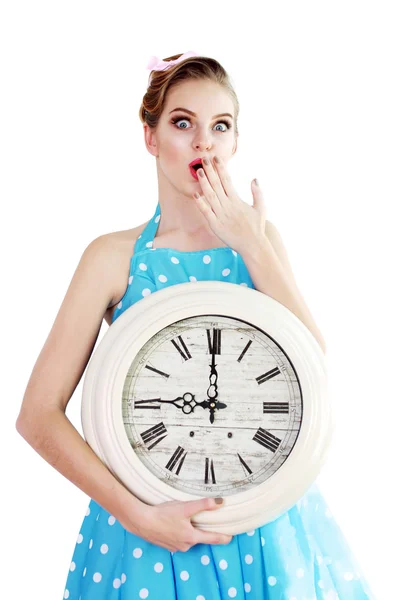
(202, 145)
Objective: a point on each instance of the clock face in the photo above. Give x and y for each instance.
(212, 405)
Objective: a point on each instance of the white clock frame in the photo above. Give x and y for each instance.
(104, 380)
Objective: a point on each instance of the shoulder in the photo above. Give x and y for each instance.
(115, 242)
(110, 254)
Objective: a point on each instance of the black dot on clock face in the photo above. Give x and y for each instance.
(191, 433)
(230, 434)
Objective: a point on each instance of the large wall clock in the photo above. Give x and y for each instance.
(210, 388)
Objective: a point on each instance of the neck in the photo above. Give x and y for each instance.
(179, 211)
(184, 218)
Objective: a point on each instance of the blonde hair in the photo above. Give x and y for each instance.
(194, 67)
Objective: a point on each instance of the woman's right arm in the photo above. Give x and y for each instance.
(42, 421)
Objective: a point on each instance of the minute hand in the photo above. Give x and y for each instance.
(186, 403)
(212, 391)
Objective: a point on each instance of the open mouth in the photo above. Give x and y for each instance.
(194, 167)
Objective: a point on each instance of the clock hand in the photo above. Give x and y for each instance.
(213, 406)
(188, 406)
(212, 391)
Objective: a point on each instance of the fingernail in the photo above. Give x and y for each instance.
(256, 182)
(201, 172)
(218, 500)
(216, 159)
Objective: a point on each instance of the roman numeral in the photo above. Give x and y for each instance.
(150, 403)
(275, 407)
(266, 439)
(246, 466)
(268, 375)
(156, 371)
(245, 350)
(174, 459)
(209, 471)
(182, 351)
(214, 347)
(154, 433)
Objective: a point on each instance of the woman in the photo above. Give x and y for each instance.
(126, 549)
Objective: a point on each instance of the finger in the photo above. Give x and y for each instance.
(215, 180)
(225, 179)
(192, 507)
(258, 198)
(209, 191)
(210, 537)
(205, 208)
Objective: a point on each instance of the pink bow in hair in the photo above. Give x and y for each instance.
(157, 64)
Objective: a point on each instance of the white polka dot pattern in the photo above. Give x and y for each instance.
(301, 555)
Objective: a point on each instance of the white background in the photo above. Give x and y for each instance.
(318, 85)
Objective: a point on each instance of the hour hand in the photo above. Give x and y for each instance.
(213, 406)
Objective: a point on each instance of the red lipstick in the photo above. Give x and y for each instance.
(193, 170)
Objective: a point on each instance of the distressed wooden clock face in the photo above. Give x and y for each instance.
(212, 405)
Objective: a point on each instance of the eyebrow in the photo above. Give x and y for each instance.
(194, 114)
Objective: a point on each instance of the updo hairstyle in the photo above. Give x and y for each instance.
(194, 67)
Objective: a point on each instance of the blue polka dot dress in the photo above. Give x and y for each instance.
(302, 555)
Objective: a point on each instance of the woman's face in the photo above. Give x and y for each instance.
(181, 137)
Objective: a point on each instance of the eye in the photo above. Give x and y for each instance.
(179, 119)
(225, 123)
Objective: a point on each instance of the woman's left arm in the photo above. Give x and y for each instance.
(271, 273)
(245, 229)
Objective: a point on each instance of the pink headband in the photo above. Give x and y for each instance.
(157, 64)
